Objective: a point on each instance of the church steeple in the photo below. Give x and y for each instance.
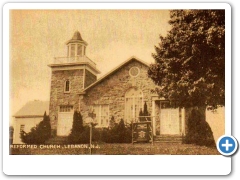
(76, 46)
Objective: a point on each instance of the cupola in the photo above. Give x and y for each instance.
(76, 46)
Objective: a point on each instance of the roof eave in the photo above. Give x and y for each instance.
(115, 69)
(74, 64)
(82, 93)
(76, 41)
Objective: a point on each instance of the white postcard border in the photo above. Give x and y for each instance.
(120, 164)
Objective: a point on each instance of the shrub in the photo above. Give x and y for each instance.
(77, 129)
(38, 134)
(112, 122)
(116, 133)
(144, 113)
(120, 133)
(199, 131)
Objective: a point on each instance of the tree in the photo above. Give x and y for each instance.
(190, 66)
(77, 122)
(199, 131)
(112, 122)
(38, 134)
(143, 115)
(190, 61)
(121, 131)
(140, 115)
(77, 128)
(145, 112)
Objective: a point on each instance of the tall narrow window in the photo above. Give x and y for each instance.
(67, 86)
(72, 50)
(133, 104)
(84, 51)
(79, 50)
(102, 115)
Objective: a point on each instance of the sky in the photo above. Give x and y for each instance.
(113, 36)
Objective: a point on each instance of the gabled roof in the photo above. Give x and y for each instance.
(33, 108)
(133, 58)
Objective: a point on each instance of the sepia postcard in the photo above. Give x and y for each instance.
(145, 80)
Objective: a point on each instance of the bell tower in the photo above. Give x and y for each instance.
(70, 76)
(76, 46)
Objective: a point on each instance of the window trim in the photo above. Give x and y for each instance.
(71, 109)
(98, 118)
(75, 48)
(137, 73)
(134, 103)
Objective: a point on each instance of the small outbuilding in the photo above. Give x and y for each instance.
(27, 117)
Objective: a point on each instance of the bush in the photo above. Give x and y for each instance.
(38, 134)
(144, 113)
(199, 131)
(112, 122)
(116, 133)
(77, 129)
(119, 133)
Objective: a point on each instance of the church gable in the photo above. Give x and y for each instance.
(115, 70)
(109, 94)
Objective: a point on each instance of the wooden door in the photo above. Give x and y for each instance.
(169, 119)
(65, 121)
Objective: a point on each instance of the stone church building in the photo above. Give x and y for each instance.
(121, 93)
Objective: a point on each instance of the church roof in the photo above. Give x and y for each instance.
(33, 108)
(76, 38)
(133, 58)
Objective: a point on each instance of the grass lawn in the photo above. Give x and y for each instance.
(120, 149)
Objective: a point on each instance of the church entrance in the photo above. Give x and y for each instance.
(65, 120)
(169, 118)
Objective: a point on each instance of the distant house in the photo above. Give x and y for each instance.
(27, 117)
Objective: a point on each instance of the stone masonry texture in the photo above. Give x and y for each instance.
(111, 90)
(89, 78)
(59, 97)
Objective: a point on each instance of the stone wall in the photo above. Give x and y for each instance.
(59, 97)
(111, 90)
(89, 78)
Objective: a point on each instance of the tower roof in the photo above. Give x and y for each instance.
(77, 38)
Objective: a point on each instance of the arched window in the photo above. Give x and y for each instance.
(67, 86)
(133, 104)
